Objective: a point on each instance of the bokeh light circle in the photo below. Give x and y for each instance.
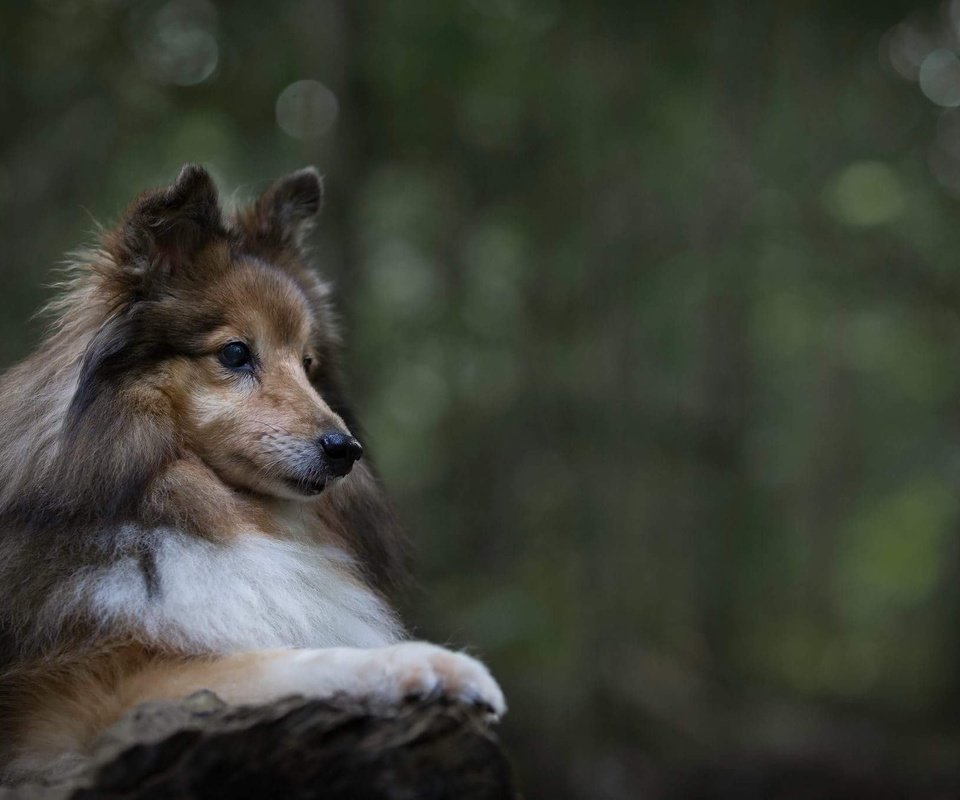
(181, 47)
(307, 109)
(940, 78)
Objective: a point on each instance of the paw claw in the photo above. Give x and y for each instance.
(438, 672)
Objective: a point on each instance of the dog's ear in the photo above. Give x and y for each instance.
(285, 213)
(165, 227)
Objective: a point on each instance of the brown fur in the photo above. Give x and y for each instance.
(124, 425)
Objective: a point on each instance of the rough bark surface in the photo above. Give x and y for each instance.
(294, 748)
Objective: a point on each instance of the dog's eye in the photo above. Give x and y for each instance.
(235, 355)
(307, 362)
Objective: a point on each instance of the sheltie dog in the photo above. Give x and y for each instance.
(184, 503)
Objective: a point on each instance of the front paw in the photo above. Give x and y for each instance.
(418, 669)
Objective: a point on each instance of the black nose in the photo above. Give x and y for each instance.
(341, 451)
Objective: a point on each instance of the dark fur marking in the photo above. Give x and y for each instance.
(151, 575)
(136, 339)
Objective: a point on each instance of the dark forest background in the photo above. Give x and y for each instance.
(652, 318)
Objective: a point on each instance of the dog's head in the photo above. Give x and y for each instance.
(218, 333)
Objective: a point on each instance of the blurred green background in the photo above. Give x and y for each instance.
(652, 320)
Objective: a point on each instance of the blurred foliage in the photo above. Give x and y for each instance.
(652, 318)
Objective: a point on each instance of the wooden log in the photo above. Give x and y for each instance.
(294, 748)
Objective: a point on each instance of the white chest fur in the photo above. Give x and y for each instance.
(251, 592)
